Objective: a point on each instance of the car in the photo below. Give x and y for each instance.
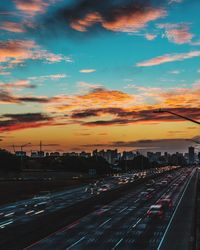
(165, 202)
(164, 182)
(150, 183)
(156, 212)
(144, 196)
(103, 188)
(151, 190)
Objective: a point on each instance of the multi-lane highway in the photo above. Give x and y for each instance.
(126, 223)
(26, 210)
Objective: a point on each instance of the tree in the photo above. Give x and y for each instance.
(9, 162)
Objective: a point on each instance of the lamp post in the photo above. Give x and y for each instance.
(173, 113)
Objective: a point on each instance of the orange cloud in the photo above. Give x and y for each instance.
(131, 22)
(169, 58)
(32, 7)
(150, 37)
(12, 27)
(135, 21)
(87, 21)
(17, 51)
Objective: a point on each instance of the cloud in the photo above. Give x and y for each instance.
(126, 21)
(15, 52)
(6, 97)
(177, 33)
(87, 70)
(132, 115)
(175, 72)
(150, 37)
(12, 27)
(18, 84)
(32, 7)
(115, 16)
(169, 58)
(46, 77)
(95, 112)
(11, 122)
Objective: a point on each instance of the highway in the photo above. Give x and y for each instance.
(24, 211)
(123, 223)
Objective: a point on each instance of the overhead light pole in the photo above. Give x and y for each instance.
(173, 113)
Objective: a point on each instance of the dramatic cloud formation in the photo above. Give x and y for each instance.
(124, 116)
(169, 58)
(131, 22)
(10, 122)
(120, 16)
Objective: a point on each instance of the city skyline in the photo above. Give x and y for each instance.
(90, 75)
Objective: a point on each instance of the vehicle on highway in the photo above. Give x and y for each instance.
(164, 182)
(145, 196)
(104, 188)
(156, 212)
(151, 190)
(165, 202)
(150, 183)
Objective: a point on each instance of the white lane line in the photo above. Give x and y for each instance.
(10, 214)
(117, 244)
(170, 222)
(123, 209)
(39, 212)
(75, 243)
(137, 200)
(29, 212)
(137, 223)
(5, 223)
(104, 222)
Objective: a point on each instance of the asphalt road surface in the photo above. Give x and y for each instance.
(123, 224)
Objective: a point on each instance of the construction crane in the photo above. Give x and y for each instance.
(21, 146)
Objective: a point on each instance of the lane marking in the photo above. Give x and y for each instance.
(39, 212)
(123, 209)
(29, 212)
(170, 222)
(75, 243)
(6, 215)
(137, 223)
(5, 223)
(117, 244)
(104, 222)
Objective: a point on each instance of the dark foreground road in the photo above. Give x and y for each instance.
(123, 223)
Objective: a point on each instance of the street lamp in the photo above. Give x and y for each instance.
(173, 113)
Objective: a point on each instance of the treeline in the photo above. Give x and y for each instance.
(9, 162)
(70, 163)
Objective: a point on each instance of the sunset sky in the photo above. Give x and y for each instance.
(85, 74)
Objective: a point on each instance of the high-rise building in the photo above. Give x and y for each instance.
(191, 155)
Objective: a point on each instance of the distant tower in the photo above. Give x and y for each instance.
(191, 155)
